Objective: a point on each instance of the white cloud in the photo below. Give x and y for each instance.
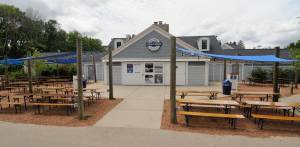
(257, 22)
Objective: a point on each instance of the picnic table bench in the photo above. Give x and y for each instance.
(209, 94)
(259, 119)
(232, 117)
(227, 104)
(261, 95)
(68, 106)
(271, 105)
(15, 104)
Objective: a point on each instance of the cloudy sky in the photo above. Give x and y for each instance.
(256, 22)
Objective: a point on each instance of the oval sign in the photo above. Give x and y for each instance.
(153, 44)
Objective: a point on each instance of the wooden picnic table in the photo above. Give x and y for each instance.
(226, 103)
(242, 94)
(273, 105)
(210, 94)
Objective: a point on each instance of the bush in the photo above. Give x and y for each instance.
(287, 74)
(259, 75)
(2, 69)
(63, 70)
(14, 75)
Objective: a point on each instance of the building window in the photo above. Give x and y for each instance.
(119, 44)
(204, 44)
(149, 67)
(129, 68)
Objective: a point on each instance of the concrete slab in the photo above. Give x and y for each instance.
(132, 119)
(142, 105)
(138, 104)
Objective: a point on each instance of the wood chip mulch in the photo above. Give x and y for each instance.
(245, 127)
(94, 111)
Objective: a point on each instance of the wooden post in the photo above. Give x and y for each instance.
(296, 77)
(94, 68)
(173, 80)
(224, 71)
(79, 80)
(111, 88)
(29, 75)
(6, 75)
(275, 77)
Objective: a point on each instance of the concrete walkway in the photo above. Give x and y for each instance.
(20, 135)
(142, 105)
(141, 108)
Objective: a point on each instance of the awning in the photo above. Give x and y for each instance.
(49, 56)
(63, 60)
(257, 58)
(11, 62)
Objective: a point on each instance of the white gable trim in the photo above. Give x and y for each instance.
(144, 33)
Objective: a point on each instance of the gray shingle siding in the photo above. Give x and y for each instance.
(139, 49)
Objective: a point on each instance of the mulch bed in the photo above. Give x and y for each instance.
(220, 126)
(245, 126)
(284, 90)
(94, 111)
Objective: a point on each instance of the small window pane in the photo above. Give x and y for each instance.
(204, 44)
(149, 67)
(129, 68)
(158, 69)
(119, 44)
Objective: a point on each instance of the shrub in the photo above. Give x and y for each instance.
(259, 75)
(14, 75)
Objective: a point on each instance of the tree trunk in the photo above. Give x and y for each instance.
(79, 80)
(275, 77)
(111, 88)
(173, 81)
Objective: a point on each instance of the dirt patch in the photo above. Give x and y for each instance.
(58, 117)
(220, 126)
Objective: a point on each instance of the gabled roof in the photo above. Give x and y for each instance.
(144, 33)
(192, 40)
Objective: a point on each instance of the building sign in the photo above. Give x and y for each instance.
(153, 44)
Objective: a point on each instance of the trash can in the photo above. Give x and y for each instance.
(84, 83)
(227, 87)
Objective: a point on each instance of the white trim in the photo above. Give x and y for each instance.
(116, 41)
(153, 60)
(144, 33)
(199, 43)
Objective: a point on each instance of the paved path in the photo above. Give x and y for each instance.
(141, 108)
(19, 135)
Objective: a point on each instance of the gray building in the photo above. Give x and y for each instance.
(143, 59)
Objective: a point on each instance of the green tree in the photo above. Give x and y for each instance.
(294, 49)
(23, 33)
(241, 44)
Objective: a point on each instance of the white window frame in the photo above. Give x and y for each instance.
(116, 42)
(200, 44)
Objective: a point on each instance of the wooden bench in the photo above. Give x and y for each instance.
(15, 104)
(39, 105)
(232, 117)
(261, 119)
